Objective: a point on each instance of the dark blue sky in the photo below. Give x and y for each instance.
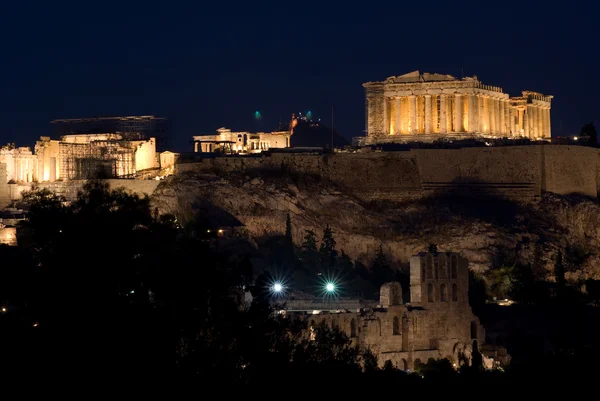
(206, 65)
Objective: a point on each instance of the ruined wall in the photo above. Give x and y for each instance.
(435, 331)
(520, 172)
(145, 155)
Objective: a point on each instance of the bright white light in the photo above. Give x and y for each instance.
(277, 287)
(575, 138)
(3, 309)
(330, 287)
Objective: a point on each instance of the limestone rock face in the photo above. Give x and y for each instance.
(488, 234)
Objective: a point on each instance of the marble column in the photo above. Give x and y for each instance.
(528, 121)
(412, 107)
(497, 115)
(491, 115)
(397, 116)
(428, 114)
(386, 120)
(458, 114)
(472, 108)
(481, 114)
(443, 127)
(548, 124)
(541, 130)
(536, 127)
(520, 125)
(502, 117)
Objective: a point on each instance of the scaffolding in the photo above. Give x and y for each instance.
(97, 159)
(130, 127)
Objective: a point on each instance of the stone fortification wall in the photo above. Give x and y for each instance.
(520, 172)
(571, 169)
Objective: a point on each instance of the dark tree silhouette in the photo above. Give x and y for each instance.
(288, 229)
(381, 270)
(327, 252)
(559, 274)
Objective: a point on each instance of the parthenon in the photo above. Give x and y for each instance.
(426, 106)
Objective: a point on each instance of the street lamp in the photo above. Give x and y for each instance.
(330, 287)
(277, 287)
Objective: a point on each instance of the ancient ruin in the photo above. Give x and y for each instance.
(437, 322)
(21, 164)
(226, 141)
(427, 107)
(84, 156)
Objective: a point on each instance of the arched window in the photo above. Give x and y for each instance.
(404, 365)
(396, 326)
(417, 364)
(429, 267)
(379, 326)
(442, 267)
(454, 293)
(352, 328)
(405, 333)
(443, 294)
(430, 292)
(473, 329)
(454, 267)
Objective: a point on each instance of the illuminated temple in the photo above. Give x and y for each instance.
(427, 107)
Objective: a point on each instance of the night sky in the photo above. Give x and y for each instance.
(207, 65)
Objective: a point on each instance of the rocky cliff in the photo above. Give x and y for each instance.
(489, 231)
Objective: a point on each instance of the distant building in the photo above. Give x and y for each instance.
(225, 141)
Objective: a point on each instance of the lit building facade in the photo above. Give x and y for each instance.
(21, 164)
(416, 106)
(226, 141)
(84, 156)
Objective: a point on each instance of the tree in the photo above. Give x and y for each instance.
(308, 251)
(345, 265)
(589, 130)
(288, 229)
(559, 274)
(381, 270)
(327, 251)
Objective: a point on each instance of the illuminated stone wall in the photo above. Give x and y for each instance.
(417, 106)
(145, 155)
(518, 172)
(47, 152)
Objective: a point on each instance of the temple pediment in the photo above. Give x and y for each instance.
(416, 76)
